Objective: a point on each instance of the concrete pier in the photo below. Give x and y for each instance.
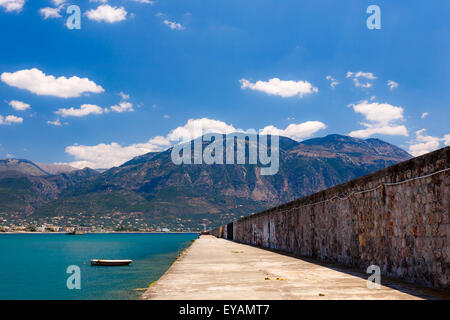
(219, 269)
(396, 218)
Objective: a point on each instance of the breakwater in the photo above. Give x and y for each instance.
(396, 218)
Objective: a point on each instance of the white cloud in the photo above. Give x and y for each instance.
(356, 77)
(12, 5)
(195, 128)
(423, 143)
(56, 123)
(106, 1)
(122, 107)
(19, 105)
(58, 2)
(124, 96)
(333, 82)
(173, 25)
(280, 88)
(10, 120)
(378, 112)
(36, 81)
(106, 13)
(425, 114)
(359, 84)
(113, 154)
(371, 129)
(296, 131)
(446, 140)
(87, 109)
(361, 74)
(382, 119)
(84, 110)
(392, 84)
(49, 12)
(166, 116)
(144, 1)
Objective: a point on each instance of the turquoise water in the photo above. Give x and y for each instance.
(33, 266)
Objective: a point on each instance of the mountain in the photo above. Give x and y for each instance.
(373, 148)
(21, 193)
(33, 168)
(23, 166)
(151, 188)
(56, 168)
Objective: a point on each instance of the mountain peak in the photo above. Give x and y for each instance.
(152, 187)
(23, 166)
(351, 145)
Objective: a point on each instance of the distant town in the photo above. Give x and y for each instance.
(90, 224)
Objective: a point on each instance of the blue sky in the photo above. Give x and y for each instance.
(225, 64)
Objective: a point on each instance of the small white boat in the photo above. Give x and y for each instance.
(111, 263)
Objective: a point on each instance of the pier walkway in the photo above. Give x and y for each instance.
(224, 270)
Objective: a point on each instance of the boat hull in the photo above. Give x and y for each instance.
(110, 263)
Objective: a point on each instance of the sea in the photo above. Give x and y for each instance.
(57, 266)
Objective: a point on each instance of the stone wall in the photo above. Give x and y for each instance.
(396, 218)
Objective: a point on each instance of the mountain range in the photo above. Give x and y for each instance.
(152, 189)
(32, 168)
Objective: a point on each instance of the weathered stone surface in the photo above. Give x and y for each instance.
(403, 228)
(217, 269)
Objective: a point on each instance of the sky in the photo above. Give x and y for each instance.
(140, 75)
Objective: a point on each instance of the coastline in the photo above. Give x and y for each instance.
(109, 232)
(143, 296)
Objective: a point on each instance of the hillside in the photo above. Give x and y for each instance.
(24, 166)
(152, 188)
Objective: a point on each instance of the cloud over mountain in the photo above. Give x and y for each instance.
(296, 131)
(106, 155)
(424, 143)
(382, 118)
